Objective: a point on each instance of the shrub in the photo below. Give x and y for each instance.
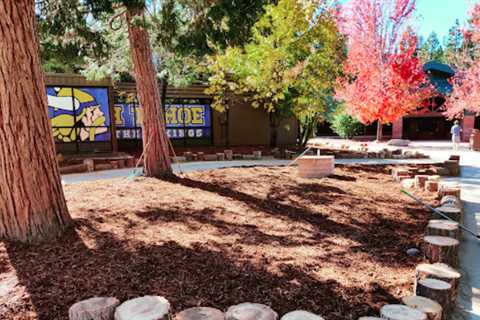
(345, 125)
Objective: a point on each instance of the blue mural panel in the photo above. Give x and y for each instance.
(79, 114)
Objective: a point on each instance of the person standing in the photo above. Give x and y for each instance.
(456, 131)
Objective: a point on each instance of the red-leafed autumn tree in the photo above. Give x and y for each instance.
(385, 79)
(32, 204)
(465, 95)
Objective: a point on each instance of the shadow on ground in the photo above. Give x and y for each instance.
(56, 276)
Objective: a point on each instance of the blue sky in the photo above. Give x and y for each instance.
(439, 15)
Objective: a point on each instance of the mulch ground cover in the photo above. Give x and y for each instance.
(333, 246)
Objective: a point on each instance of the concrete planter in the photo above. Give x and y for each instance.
(311, 167)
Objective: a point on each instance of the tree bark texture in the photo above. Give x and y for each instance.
(155, 141)
(32, 203)
(441, 249)
(436, 290)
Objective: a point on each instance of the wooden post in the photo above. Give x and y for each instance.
(246, 311)
(443, 228)
(439, 271)
(98, 308)
(201, 313)
(449, 190)
(453, 213)
(301, 315)
(431, 308)
(441, 249)
(144, 308)
(401, 312)
(420, 181)
(431, 186)
(436, 290)
(451, 201)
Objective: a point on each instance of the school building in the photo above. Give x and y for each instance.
(94, 116)
(432, 125)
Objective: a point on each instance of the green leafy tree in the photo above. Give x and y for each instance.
(454, 43)
(431, 49)
(289, 66)
(345, 125)
(105, 30)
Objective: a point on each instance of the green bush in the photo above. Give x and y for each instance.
(345, 125)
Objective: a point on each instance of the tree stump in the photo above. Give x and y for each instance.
(201, 313)
(431, 186)
(436, 290)
(90, 164)
(420, 181)
(439, 271)
(451, 201)
(444, 228)
(228, 155)
(431, 308)
(301, 315)
(98, 308)
(144, 308)
(257, 155)
(401, 312)
(449, 190)
(453, 167)
(441, 249)
(453, 213)
(398, 173)
(250, 311)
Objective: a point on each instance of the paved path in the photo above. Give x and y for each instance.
(469, 293)
(201, 166)
(469, 299)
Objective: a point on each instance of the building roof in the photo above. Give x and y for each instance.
(437, 67)
(439, 73)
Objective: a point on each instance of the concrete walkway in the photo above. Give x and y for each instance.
(469, 293)
(201, 166)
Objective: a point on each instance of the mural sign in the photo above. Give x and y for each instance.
(79, 114)
(182, 121)
(188, 121)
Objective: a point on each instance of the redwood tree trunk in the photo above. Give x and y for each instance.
(155, 140)
(32, 204)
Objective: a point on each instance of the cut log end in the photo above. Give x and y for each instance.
(436, 290)
(441, 249)
(401, 312)
(98, 308)
(248, 311)
(431, 308)
(143, 308)
(443, 228)
(200, 313)
(437, 270)
(301, 315)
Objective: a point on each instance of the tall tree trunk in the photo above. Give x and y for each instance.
(379, 131)
(155, 141)
(32, 203)
(273, 130)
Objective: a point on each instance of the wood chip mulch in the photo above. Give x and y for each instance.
(333, 246)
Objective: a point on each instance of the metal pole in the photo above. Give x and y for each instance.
(439, 213)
